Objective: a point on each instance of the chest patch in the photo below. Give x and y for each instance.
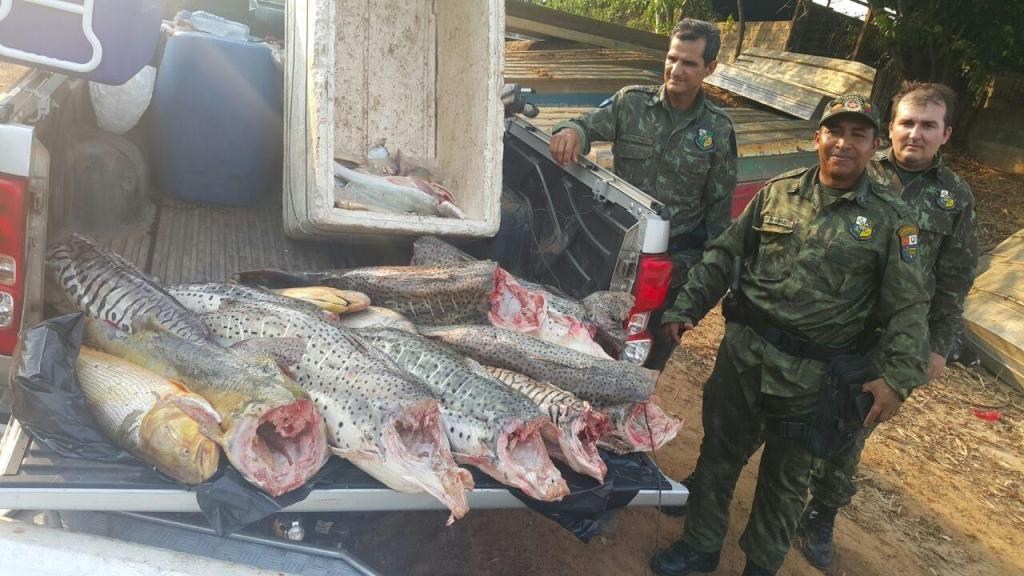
(705, 139)
(862, 228)
(945, 200)
(909, 240)
(779, 221)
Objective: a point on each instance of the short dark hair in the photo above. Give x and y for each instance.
(924, 92)
(691, 29)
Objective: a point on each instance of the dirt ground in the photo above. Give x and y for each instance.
(941, 490)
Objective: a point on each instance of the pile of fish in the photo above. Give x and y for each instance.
(407, 372)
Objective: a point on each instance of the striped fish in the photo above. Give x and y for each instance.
(578, 425)
(106, 286)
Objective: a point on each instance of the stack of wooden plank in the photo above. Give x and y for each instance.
(994, 311)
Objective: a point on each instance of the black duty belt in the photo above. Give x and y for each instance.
(736, 310)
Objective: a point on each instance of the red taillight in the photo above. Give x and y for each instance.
(12, 256)
(653, 277)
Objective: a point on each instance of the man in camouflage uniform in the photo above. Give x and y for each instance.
(673, 144)
(944, 208)
(824, 250)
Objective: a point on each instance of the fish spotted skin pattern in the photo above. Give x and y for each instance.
(490, 425)
(590, 378)
(578, 426)
(379, 417)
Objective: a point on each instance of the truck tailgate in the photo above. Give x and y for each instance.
(44, 480)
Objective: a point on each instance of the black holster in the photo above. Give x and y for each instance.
(841, 410)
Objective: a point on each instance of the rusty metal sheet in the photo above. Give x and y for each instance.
(576, 70)
(797, 84)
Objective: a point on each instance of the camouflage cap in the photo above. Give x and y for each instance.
(853, 105)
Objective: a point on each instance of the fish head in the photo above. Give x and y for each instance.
(177, 444)
(639, 427)
(523, 462)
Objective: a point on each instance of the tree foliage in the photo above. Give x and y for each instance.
(652, 15)
(960, 43)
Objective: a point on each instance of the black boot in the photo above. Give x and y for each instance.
(679, 560)
(678, 511)
(752, 569)
(816, 527)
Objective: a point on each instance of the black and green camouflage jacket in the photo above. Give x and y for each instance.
(944, 208)
(686, 160)
(819, 266)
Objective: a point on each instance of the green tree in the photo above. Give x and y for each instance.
(652, 15)
(959, 43)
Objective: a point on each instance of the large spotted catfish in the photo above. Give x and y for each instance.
(592, 379)
(490, 425)
(379, 417)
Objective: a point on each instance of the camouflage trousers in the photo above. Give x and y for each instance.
(735, 417)
(832, 478)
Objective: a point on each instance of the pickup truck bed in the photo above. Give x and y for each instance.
(175, 241)
(182, 242)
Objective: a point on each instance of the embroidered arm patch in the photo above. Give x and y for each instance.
(908, 242)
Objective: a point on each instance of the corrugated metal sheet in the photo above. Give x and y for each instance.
(580, 69)
(798, 84)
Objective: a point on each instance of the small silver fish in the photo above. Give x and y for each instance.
(390, 194)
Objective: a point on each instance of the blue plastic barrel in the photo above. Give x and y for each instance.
(127, 31)
(217, 110)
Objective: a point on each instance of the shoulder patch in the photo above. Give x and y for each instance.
(795, 173)
(714, 109)
(909, 240)
(646, 88)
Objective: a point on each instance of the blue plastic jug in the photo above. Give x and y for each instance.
(106, 41)
(217, 110)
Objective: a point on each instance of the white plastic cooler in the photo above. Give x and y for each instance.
(424, 74)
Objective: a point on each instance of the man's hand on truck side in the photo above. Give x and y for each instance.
(674, 330)
(565, 146)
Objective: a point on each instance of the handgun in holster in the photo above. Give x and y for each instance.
(730, 302)
(841, 409)
(842, 405)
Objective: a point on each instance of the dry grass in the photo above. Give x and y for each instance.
(1000, 199)
(979, 458)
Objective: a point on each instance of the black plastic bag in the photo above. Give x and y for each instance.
(590, 506)
(229, 502)
(48, 402)
(46, 397)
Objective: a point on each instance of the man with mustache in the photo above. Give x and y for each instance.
(673, 144)
(823, 251)
(944, 207)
